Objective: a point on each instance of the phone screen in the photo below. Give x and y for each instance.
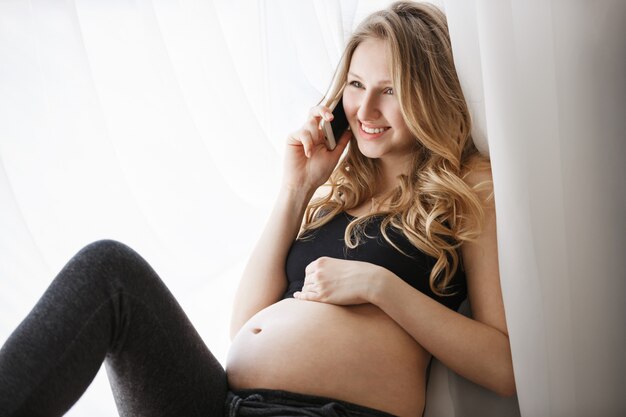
(334, 129)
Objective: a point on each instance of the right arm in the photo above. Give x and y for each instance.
(307, 165)
(264, 280)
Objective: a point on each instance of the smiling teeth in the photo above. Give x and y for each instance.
(377, 130)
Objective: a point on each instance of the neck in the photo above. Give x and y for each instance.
(389, 173)
(387, 182)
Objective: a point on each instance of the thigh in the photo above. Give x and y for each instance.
(157, 363)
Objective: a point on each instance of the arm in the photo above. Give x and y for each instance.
(478, 348)
(471, 348)
(307, 165)
(264, 280)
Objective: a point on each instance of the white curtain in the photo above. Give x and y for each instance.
(161, 124)
(546, 82)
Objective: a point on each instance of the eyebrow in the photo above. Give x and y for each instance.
(380, 83)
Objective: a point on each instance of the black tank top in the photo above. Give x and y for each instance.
(328, 241)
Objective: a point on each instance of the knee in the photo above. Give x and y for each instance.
(107, 248)
(106, 267)
(111, 256)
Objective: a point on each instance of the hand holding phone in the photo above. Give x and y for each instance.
(335, 128)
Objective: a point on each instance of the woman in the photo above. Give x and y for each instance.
(338, 314)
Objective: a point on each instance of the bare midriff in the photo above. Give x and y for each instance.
(351, 353)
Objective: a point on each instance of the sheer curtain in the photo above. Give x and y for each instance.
(546, 82)
(161, 124)
(157, 123)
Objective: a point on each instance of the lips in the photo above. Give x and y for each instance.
(368, 135)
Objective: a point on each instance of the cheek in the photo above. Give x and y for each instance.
(401, 125)
(397, 121)
(394, 117)
(349, 104)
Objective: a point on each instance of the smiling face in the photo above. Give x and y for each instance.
(372, 108)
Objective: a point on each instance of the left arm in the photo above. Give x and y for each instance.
(476, 348)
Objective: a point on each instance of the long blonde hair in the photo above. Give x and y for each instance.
(434, 207)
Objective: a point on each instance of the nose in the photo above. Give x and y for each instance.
(368, 107)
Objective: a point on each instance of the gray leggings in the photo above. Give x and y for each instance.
(108, 305)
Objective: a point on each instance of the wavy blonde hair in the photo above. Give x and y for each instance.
(434, 207)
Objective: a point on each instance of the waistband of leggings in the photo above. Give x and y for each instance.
(296, 399)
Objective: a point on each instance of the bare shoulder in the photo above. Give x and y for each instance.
(481, 180)
(478, 175)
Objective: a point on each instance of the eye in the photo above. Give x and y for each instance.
(389, 91)
(355, 84)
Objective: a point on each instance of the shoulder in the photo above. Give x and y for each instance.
(480, 179)
(476, 175)
(476, 169)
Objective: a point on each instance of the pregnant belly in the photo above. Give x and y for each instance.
(351, 353)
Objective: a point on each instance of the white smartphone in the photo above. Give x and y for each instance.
(335, 128)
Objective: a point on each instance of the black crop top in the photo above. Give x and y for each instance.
(328, 240)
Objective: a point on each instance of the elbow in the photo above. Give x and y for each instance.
(507, 389)
(506, 377)
(502, 380)
(507, 392)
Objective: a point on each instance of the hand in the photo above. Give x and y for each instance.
(339, 281)
(308, 163)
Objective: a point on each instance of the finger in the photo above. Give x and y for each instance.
(309, 269)
(304, 139)
(299, 295)
(309, 286)
(308, 295)
(309, 279)
(321, 112)
(318, 115)
(309, 143)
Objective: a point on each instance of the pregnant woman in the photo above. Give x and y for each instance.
(349, 292)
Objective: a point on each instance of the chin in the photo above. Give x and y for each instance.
(369, 151)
